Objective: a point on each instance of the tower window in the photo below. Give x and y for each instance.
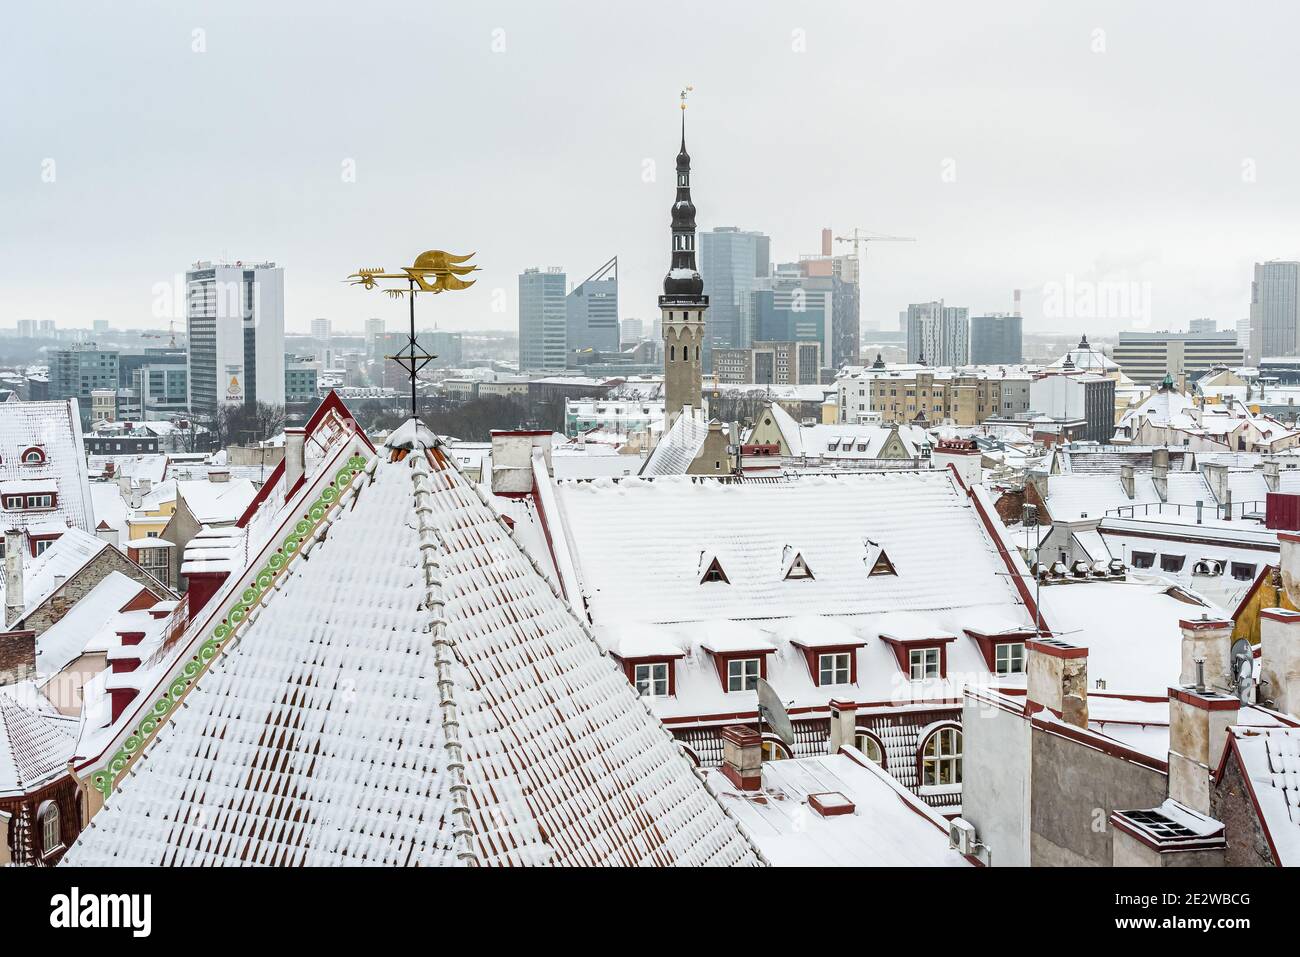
(672, 351)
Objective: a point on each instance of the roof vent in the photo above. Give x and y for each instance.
(831, 804)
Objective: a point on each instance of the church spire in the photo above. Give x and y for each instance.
(683, 302)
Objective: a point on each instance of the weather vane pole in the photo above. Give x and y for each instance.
(434, 271)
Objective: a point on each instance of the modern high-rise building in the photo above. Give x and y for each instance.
(543, 320)
(791, 307)
(235, 321)
(632, 330)
(375, 329)
(78, 372)
(591, 312)
(731, 259)
(995, 340)
(770, 363)
(937, 334)
(839, 275)
(1202, 325)
(1274, 310)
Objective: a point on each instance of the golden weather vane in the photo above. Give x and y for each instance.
(433, 271)
(685, 93)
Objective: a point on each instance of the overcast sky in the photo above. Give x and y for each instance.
(1053, 147)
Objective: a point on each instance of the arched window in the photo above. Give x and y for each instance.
(33, 456)
(672, 353)
(869, 746)
(775, 751)
(941, 758)
(697, 352)
(51, 833)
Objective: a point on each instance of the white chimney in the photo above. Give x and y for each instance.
(14, 601)
(1199, 719)
(1058, 679)
(295, 456)
(512, 460)
(1216, 474)
(1208, 640)
(219, 475)
(844, 725)
(1272, 476)
(1126, 480)
(1279, 659)
(1160, 473)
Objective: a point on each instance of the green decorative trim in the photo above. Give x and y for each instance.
(105, 778)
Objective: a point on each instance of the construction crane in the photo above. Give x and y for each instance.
(862, 237)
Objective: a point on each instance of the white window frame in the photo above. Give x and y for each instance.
(941, 757)
(835, 668)
(649, 677)
(924, 663)
(741, 671)
(1010, 658)
(51, 828)
(870, 747)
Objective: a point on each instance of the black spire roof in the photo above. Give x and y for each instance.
(683, 281)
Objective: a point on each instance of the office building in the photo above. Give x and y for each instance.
(839, 276)
(1147, 357)
(632, 331)
(375, 329)
(591, 313)
(162, 388)
(1274, 310)
(770, 363)
(995, 340)
(938, 335)
(1202, 325)
(791, 307)
(235, 322)
(543, 320)
(731, 259)
(77, 372)
(301, 374)
(1080, 405)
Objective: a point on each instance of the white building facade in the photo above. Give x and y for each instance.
(235, 322)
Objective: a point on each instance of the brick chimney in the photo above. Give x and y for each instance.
(1058, 679)
(1210, 641)
(1279, 659)
(1198, 727)
(742, 757)
(14, 600)
(844, 725)
(295, 456)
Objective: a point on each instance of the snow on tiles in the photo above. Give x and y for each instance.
(439, 635)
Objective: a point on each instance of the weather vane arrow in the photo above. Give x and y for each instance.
(433, 271)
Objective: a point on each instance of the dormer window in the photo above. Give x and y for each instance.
(1009, 657)
(35, 455)
(923, 663)
(743, 673)
(795, 566)
(711, 569)
(651, 679)
(835, 668)
(876, 560)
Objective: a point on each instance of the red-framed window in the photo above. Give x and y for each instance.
(652, 676)
(830, 665)
(739, 670)
(32, 455)
(921, 658)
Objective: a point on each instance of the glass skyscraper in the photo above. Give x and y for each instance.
(731, 259)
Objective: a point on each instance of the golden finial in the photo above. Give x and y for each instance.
(685, 92)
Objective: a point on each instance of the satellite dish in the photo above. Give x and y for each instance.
(1243, 668)
(773, 713)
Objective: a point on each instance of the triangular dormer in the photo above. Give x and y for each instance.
(711, 569)
(794, 566)
(876, 560)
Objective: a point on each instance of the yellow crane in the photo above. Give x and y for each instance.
(861, 237)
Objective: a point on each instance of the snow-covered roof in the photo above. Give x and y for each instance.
(35, 741)
(887, 827)
(54, 428)
(677, 448)
(215, 503)
(1129, 627)
(1072, 495)
(443, 707)
(1270, 763)
(65, 640)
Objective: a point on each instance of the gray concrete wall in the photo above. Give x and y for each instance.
(995, 780)
(1074, 789)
